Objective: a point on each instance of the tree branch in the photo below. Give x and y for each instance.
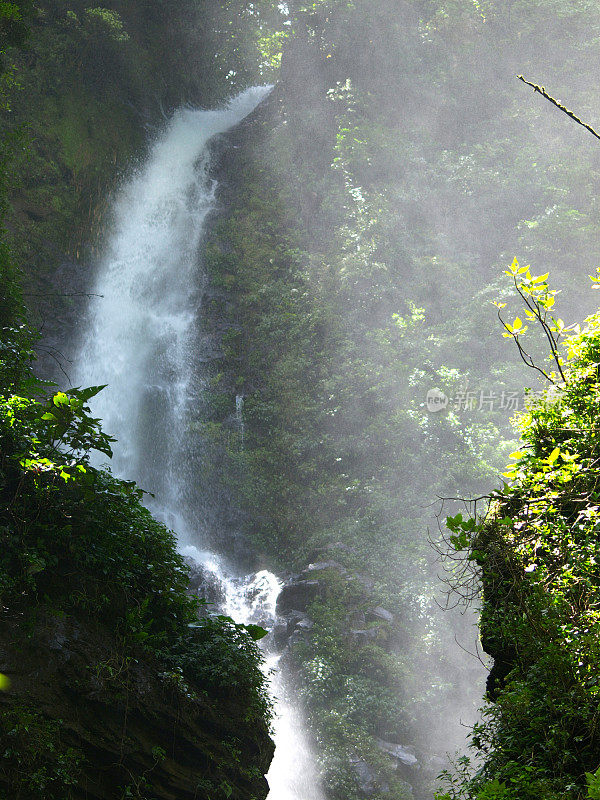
(552, 341)
(526, 358)
(559, 105)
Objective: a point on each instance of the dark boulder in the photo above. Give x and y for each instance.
(205, 584)
(379, 614)
(297, 596)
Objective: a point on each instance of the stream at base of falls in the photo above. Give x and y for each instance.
(141, 337)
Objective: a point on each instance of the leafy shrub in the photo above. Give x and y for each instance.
(33, 757)
(75, 537)
(537, 553)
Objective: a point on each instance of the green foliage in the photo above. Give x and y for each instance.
(60, 512)
(536, 552)
(53, 436)
(360, 250)
(14, 27)
(593, 784)
(32, 754)
(538, 300)
(347, 259)
(76, 540)
(220, 655)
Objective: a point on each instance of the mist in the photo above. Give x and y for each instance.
(405, 167)
(290, 285)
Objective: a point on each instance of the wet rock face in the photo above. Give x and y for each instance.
(366, 777)
(297, 596)
(379, 614)
(205, 584)
(404, 755)
(314, 569)
(291, 627)
(125, 721)
(366, 625)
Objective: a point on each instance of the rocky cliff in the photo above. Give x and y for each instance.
(84, 720)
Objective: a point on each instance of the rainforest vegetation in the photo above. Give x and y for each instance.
(84, 569)
(366, 215)
(535, 554)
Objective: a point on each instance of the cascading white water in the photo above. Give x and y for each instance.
(239, 415)
(141, 339)
(252, 599)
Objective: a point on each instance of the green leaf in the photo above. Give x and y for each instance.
(88, 393)
(553, 455)
(256, 632)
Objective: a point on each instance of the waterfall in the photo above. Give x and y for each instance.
(141, 338)
(239, 415)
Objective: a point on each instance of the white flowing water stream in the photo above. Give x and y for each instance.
(142, 338)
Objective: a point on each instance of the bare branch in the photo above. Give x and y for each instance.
(559, 105)
(552, 340)
(525, 357)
